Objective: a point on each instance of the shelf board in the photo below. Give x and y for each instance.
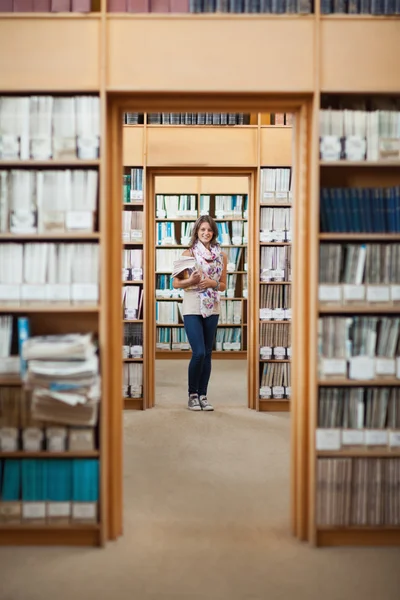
(373, 308)
(273, 405)
(343, 382)
(50, 15)
(275, 243)
(132, 204)
(38, 237)
(276, 204)
(125, 244)
(275, 283)
(360, 452)
(181, 325)
(133, 403)
(166, 246)
(132, 360)
(362, 237)
(8, 380)
(133, 282)
(217, 354)
(358, 536)
(360, 163)
(68, 164)
(45, 454)
(50, 308)
(287, 321)
(133, 320)
(177, 219)
(274, 360)
(39, 534)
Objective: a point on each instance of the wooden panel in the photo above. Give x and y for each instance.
(133, 145)
(176, 184)
(210, 53)
(276, 146)
(201, 147)
(360, 55)
(366, 536)
(224, 185)
(58, 54)
(49, 535)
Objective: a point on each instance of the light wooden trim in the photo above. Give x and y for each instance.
(274, 405)
(133, 155)
(368, 536)
(56, 63)
(276, 146)
(150, 326)
(50, 535)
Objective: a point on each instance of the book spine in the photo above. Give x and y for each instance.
(42, 5)
(82, 6)
(179, 6)
(138, 6)
(6, 6)
(159, 6)
(23, 5)
(117, 6)
(60, 5)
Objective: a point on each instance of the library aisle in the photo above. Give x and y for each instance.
(206, 515)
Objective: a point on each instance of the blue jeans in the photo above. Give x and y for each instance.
(201, 334)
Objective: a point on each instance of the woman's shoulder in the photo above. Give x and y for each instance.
(186, 253)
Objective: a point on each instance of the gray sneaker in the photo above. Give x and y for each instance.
(204, 403)
(193, 402)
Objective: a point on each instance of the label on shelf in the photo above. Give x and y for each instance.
(281, 195)
(185, 240)
(245, 264)
(32, 292)
(125, 274)
(327, 439)
(86, 511)
(58, 510)
(163, 346)
(230, 293)
(289, 351)
(278, 314)
(161, 213)
(394, 439)
(245, 214)
(227, 346)
(278, 235)
(355, 147)
(266, 274)
(395, 293)
(78, 220)
(125, 351)
(10, 292)
(137, 274)
(32, 438)
(385, 366)
(353, 292)
(288, 392)
(56, 439)
(329, 293)
(136, 195)
(361, 367)
(236, 240)
(266, 236)
(333, 366)
(237, 319)
(289, 235)
(230, 267)
(88, 147)
(40, 147)
(58, 292)
(9, 146)
(398, 367)
(219, 214)
(244, 292)
(265, 314)
(376, 437)
(278, 391)
(265, 392)
(8, 439)
(378, 293)
(218, 346)
(136, 390)
(235, 346)
(288, 314)
(204, 212)
(279, 352)
(330, 147)
(176, 346)
(185, 346)
(10, 512)
(353, 437)
(269, 195)
(389, 148)
(33, 510)
(136, 351)
(85, 292)
(125, 236)
(168, 241)
(278, 274)
(130, 314)
(265, 352)
(136, 234)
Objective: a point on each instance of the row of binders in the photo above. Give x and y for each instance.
(132, 302)
(228, 339)
(275, 302)
(226, 206)
(132, 226)
(275, 185)
(196, 118)
(276, 263)
(275, 224)
(132, 346)
(359, 273)
(132, 265)
(360, 7)
(360, 135)
(48, 201)
(47, 127)
(232, 233)
(49, 490)
(167, 233)
(172, 338)
(275, 381)
(133, 186)
(360, 210)
(132, 380)
(38, 272)
(80, 6)
(173, 206)
(251, 6)
(164, 287)
(358, 492)
(359, 347)
(275, 341)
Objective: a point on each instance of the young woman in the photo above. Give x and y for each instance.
(201, 305)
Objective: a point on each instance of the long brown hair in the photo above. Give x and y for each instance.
(197, 225)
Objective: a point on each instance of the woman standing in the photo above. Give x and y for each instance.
(201, 304)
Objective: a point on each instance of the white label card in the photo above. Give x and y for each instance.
(265, 314)
(353, 437)
(84, 510)
(333, 366)
(230, 267)
(34, 510)
(328, 439)
(57, 510)
(137, 351)
(355, 147)
(398, 367)
(354, 292)
(385, 366)
(265, 392)
(136, 234)
(230, 293)
(395, 293)
(265, 352)
(376, 437)
(136, 195)
(79, 219)
(394, 439)
(279, 353)
(278, 314)
(266, 236)
(330, 147)
(378, 293)
(330, 293)
(362, 367)
(278, 391)
(161, 214)
(269, 195)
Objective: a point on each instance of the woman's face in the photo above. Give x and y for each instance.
(205, 233)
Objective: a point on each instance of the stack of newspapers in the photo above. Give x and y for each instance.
(63, 378)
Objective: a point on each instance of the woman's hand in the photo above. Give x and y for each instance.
(207, 283)
(195, 278)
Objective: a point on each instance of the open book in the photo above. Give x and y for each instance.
(183, 267)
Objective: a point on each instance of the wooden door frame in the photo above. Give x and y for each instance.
(303, 322)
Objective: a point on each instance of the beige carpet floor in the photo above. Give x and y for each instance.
(206, 516)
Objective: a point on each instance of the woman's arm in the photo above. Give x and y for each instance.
(182, 284)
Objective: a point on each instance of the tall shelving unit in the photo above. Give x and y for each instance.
(346, 54)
